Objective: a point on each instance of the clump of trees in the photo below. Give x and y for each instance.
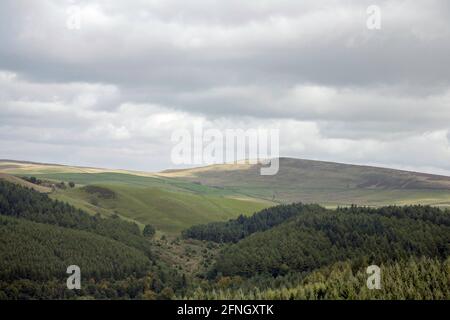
(149, 231)
(101, 192)
(59, 185)
(33, 180)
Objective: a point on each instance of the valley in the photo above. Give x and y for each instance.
(223, 232)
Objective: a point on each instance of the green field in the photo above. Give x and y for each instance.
(171, 205)
(168, 211)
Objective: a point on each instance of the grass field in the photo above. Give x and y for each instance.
(168, 210)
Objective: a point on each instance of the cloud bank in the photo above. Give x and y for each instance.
(111, 92)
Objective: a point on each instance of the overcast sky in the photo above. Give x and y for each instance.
(110, 93)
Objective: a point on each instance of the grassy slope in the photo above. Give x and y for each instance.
(24, 183)
(329, 184)
(171, 205)
(169, 211)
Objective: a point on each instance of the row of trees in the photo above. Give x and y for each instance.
(61, 185)
(434, 215)
(148, 287)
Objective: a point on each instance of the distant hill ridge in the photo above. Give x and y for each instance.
(298, 180)
(372, 176)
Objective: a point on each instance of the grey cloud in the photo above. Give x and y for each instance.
(134, 72)
(274, 47)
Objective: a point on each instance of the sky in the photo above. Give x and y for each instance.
(106, 83)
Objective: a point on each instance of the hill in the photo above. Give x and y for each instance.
(41, 237)
(314, 239)
(171, 205)
(327, 183)
(168, 210)
(308, 252)
(237, 229)
(303, 251)
(174, 200)
(42, 252)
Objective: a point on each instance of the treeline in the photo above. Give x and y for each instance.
(317, 239)
(237, 229)
(434, 215)
(20, 202)
(149, 287)
(50, 184)
(414, 278)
